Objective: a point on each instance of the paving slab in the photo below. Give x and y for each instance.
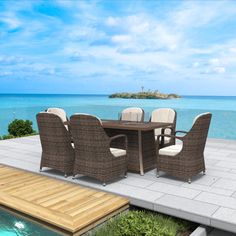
(217, 199)
(224, 218)
(186, 208)
(210, 199)
(175, 190)
(210, 189)
(225, 184)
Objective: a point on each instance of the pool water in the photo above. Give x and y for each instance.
(13, 225)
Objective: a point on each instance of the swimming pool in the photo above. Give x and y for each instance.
(12, 224)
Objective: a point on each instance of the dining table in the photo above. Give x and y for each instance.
(141, 142)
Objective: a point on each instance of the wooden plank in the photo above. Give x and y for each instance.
(14, 180)
(63, 197)
(40, 183)
(100, 221)
(65, 205)
(43, 193)
(73, 204)
(36, 211)
(5, 175)
(74, 201)
(51, 196)
(39, 187)
(19, 183)
(87, 218)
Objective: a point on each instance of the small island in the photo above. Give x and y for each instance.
(145, 95)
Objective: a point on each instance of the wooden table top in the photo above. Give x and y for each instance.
(132, 125)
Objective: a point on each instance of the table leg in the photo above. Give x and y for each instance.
(140, 152)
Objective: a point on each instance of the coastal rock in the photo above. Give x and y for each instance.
(145, 95)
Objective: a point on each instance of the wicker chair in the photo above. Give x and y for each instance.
(93, 155)
(167, 115)
(57, 151)
(58, 111)
(61, 113)
(186, 160)
(132, 114)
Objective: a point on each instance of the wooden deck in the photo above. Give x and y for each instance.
(70, 207)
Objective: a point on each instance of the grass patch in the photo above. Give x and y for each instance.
(145, 223)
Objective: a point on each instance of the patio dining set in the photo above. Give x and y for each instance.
(108, 149)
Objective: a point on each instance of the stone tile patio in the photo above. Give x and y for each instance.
(208, 200)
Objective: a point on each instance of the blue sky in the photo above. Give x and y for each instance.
(104, 46)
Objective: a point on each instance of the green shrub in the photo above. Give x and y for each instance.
(143, 223)
(9, 136)
(20, 128)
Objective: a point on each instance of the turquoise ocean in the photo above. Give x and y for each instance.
(26, 106)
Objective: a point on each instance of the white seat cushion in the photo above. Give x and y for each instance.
(171, 150)
(166, 139)
(117, 152)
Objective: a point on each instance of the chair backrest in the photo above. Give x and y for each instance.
(166, 115)
(90, 139)
(195, 140)
(58, 111)
(54, 136)
(132, 114)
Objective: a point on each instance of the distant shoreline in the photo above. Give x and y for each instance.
(27, 106)
(145, 95)
(107, 95)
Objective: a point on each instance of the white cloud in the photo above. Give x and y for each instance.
(214, 61)
(124, 44)
(143, 33)
(193, 14)
(233, 49)
(111, 21)
(196, 64)
(219, 70)
(121, 38)
(10, 60)
(137, 24)
(11, 20)
(5, 73)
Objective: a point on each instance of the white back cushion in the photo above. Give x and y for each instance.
(163, 115)
(132, 114)
(58, 111)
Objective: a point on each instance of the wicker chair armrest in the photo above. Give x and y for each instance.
(163, 132)
(181, 131)
(66, 122)
(169, 127)
(169, 136)
(120, 136)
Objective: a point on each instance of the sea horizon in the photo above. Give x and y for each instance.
(26, 106)
(107, 94)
